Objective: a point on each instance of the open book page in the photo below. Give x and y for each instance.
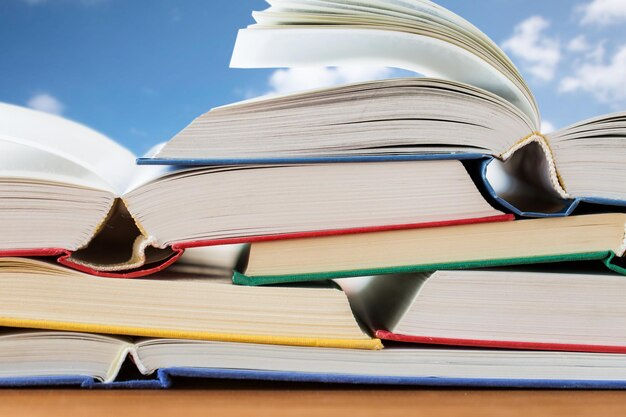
(82, 148)
(394, 14)
(365, 41)
(23, 162)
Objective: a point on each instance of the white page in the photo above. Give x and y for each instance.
(22, 161)
(79, 145)
(299, 47)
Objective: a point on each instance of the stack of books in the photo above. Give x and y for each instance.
(416, 231)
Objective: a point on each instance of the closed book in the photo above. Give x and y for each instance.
(521, 242)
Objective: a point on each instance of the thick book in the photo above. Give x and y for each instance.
(181, 302)
(566, 309)
(72, 193)
(479, 107)
(91, 360)
(556, 239)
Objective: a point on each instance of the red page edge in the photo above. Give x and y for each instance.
(338, 232)
(504, 344)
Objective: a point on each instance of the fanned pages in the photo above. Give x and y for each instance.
(479, 107)
(286, 167)
(390, 117)
(425, 38)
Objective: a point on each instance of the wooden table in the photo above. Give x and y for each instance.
(309, 400)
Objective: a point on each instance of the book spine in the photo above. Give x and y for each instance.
(555, 179)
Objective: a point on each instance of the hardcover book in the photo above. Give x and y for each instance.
(91, 360)
(556, 239)
(566, 309)
(177, 303)
(479, 107)
(75, 194)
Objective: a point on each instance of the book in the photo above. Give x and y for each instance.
(567, 309)
(479, 107)
(70, 192)
(92, 360)
(177, 303)
(556, 239)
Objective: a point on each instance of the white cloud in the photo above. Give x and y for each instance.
(539, 53)
(603, 12)
(598, 53)
(46, 103)
(604, 81)
(547, 127)
(578, 44)
(306, 78)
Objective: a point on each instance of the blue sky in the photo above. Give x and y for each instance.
(141, 70)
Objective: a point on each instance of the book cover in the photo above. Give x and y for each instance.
(607, 257)
(167, 378)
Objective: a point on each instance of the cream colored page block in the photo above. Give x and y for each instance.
(519, 306)
(540, 237)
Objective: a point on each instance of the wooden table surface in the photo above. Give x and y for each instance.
(307, 400)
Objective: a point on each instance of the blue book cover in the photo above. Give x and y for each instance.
(167, 378)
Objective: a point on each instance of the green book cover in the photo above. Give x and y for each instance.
(607, 257)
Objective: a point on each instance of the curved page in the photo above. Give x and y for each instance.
(59, 137)
(268, 48)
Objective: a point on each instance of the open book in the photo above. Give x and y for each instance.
(71, 192)
(569, 309)
(560, 239)
(479, 107)
(57, 358)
